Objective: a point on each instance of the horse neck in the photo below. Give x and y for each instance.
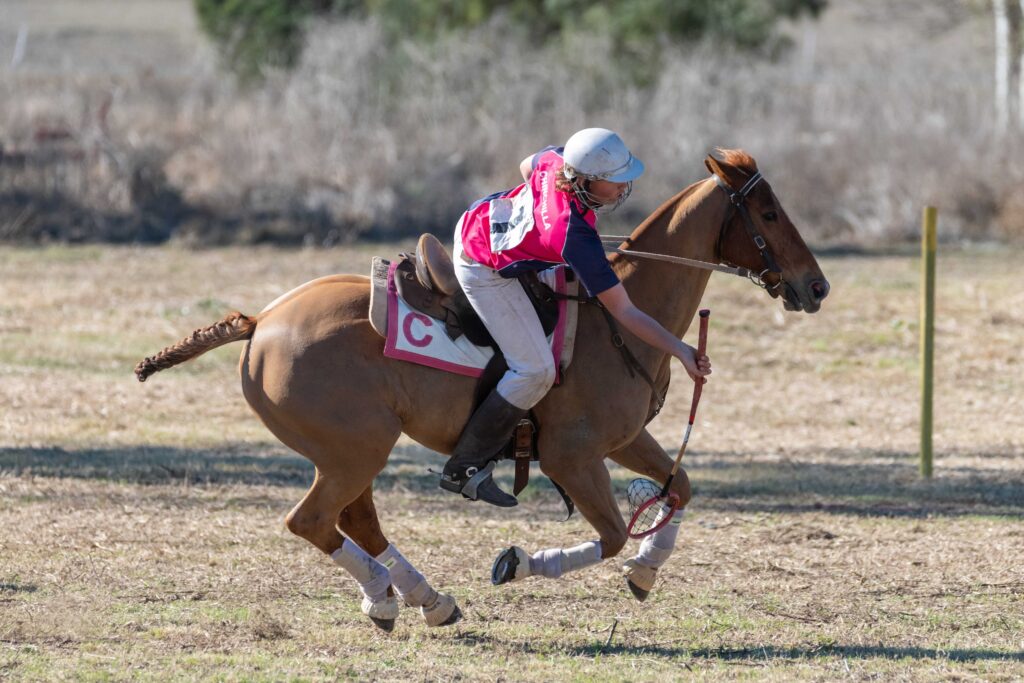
(686, 225)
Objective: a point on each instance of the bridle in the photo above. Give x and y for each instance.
(737, 204)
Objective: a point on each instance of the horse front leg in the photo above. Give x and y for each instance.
(645, 456)
(359, 521)
(587, 482)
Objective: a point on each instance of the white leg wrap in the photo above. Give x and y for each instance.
(386, 608)
(554, 562)
(406, 579)
(440, 610)
(656, 548)
(409, 583)
(371, 575)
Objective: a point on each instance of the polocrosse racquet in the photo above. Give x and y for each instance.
(652, 508)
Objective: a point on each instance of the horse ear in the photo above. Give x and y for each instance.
(712, 165)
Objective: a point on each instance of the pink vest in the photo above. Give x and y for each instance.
(526, 223)
(534, 226)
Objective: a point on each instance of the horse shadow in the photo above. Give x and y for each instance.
(232, 464)
(771, 652)
(759, 653)
(862, 482)
(852, 482)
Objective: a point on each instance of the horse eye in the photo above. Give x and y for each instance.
(770, 216)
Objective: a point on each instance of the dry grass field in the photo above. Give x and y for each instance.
(142, 533)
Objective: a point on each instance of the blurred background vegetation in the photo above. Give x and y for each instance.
(325, 121)
(255, 34)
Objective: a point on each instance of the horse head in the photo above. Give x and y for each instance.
(757, 234)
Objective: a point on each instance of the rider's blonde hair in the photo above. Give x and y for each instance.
(562, 182)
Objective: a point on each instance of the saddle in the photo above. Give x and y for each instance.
(426, 281)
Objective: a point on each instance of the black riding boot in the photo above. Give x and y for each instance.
(469, 469)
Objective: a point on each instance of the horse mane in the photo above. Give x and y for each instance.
(669, 206)
(738, 159)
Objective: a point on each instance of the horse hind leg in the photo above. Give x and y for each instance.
(359, 521)
(342, 497)
(315, 519)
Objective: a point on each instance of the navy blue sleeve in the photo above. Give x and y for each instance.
(584, 253)
(536, 157)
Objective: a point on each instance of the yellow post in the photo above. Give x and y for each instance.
(928, 246)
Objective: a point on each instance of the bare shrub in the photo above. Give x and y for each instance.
(873, 113)
(1010, 220)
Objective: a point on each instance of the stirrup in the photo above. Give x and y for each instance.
(479, 486)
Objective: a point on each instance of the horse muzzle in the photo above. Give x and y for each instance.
(808, 298)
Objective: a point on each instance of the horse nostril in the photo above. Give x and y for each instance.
(819, 289)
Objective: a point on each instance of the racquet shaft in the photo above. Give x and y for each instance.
(698, 385)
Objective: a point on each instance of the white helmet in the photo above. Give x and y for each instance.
(599, 154)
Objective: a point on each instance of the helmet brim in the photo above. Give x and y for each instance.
(632, 171)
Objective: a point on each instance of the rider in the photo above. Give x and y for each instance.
(548, 220)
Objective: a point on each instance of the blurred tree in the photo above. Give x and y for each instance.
(254, 34)
(1009, 33)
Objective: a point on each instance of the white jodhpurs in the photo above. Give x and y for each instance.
(508, 314)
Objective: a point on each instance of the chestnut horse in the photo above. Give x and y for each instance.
(314, 372)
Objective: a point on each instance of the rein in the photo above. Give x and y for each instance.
(742, 272)
(737, 202)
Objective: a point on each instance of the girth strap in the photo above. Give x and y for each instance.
(523, 450)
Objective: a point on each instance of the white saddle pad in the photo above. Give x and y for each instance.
(417, 338)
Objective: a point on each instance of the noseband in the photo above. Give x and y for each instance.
(738, 204)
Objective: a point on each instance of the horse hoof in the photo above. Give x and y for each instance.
(456, 615)
(383, 613)
(512, 564)
(386, 625)
(639, 578)
(443, 612)
(638, 592)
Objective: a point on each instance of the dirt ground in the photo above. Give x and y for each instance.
(142, 524)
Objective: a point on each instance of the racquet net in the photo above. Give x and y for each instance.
(648, 509)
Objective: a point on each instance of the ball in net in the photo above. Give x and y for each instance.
(648, 512)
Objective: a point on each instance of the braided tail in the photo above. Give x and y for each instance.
(232, 328)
